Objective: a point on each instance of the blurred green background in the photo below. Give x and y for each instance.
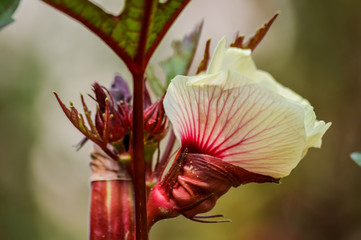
(314, 48)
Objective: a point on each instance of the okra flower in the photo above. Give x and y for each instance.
(241, 115)
(236, 125)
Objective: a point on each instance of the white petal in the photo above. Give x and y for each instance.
(227, 115)
(314, 129)
(239, 60)
(234, 59)
(266, 80)
(217, 58)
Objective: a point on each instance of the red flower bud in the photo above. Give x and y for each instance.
(155, 120)
(193, 185)
(112, 119)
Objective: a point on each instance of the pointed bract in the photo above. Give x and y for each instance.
(204, 63)
(253, 42)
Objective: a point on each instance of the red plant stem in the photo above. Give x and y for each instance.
(141, 229)
(138, 158)
(111, 210)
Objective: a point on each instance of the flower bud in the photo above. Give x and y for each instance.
(112, 119)
(193, 185)
(155, 121)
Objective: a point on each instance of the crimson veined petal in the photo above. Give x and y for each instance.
(229, 116)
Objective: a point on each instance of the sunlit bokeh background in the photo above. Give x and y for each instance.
(314, 47)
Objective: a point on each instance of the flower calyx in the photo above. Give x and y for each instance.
(193, 185)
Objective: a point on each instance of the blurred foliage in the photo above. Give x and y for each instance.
(356, 156)
(184, 50)
(177, 64)
(19, 83)
(7, 9)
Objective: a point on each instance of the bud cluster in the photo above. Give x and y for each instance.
(111, 127)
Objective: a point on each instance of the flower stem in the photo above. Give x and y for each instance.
(138, 158)
(141, 229)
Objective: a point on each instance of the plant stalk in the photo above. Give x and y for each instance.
(138, 161)
(112, 200)
(138, 158)
(111, 210)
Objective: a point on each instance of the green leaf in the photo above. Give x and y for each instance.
(184, 50)
(356, 156)
(7, 9)
(178, 64)
(154, 83)
(135, 33)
